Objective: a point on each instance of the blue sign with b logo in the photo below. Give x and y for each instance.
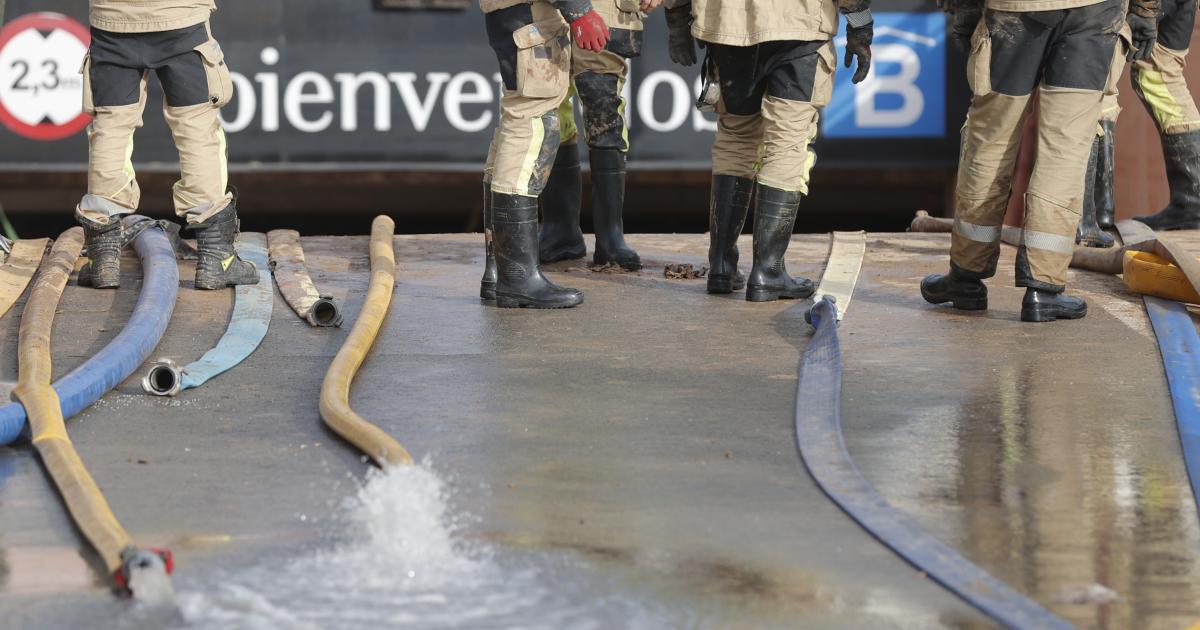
(904, 96)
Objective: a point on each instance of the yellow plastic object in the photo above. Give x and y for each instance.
(15, 275)
(87, 505)
(1150, 274)
(335, 391)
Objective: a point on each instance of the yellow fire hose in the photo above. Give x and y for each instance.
(83, 498)
(22, 264)
(1151, 274)
(335, 391)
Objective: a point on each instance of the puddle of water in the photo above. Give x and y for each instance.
(407, 567)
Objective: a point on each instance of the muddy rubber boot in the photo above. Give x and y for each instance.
(560, 237)
(519, 282)
(1047, 306)
(103, 243)
(964, 294)
(726, 217)
(218, 265)
(1182, 153)
(774, 218)
(1088, 232)
(487, 284)
(1105, 195)
(608, 203)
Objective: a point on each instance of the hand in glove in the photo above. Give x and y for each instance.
(858, 46)
(679, 35)
(966, 19)
(590, 32)
(1145, 33)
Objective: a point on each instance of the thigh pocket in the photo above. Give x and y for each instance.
(543, 59)
(979, 63)
(823, 80)
(220, 84)
(89, 103)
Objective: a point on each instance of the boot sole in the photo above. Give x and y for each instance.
(1096, 243)
(723, 284)
(755, 294)
(517, 301)
(962, 304)
(216, 286)
(561, 255)
(1035, 314)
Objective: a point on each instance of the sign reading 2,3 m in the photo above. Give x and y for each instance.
(904, 96)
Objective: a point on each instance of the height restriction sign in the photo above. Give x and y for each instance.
(41, 90)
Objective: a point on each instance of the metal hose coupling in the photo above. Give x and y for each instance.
(145, 573)
(165, 378)
(822, 308)
(324, 312)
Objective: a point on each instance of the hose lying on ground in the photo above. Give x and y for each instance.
(19, 269)
(287, 263)
(126, 563)
(247, 326)
(335, 390)
(115, 362)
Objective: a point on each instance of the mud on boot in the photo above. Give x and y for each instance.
(608, 204)
(1182, 154)
(774, 218)
(560, 237)
(1047, 306)
(103, 242)
(519, 281)
(1088, 232)
(963, 293)
(218, 265)
(487, 284)
(726, 218)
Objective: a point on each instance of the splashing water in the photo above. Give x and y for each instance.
(407, 568)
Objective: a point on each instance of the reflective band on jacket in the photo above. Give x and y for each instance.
(1048, 242)
(976, 232)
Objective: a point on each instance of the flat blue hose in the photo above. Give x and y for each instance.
(819, 440)
(247, 325)
(1180, 347)
(115, 362)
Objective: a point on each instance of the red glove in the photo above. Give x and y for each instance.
(590, 32)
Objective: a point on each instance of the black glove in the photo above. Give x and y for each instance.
(858, 46)
(1145, 33)
(966, 20)
(681, 44)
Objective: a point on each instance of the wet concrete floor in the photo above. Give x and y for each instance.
(649, 434)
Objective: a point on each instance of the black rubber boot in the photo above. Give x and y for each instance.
(1047, 306)
(519, 282)
(103, 243)
(560, 237)
(1182, 153)
(218, 265)
(963, 293)
(1105, 196)
(608, 203)
(487, 284)
(726, 217)
(774, 218)
(1088, 232)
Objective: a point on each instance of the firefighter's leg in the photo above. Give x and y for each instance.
(1104, 193)
(560, 237)
(1002, 71)
(735, 157)
(1160, 84)
(1070, 103)
(196, 84)
(115, 95)
(599, 80)
(487, 284)
(535, 66)
(799, 83)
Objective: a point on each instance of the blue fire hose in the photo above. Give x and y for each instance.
(819, 440)
(115, 362)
